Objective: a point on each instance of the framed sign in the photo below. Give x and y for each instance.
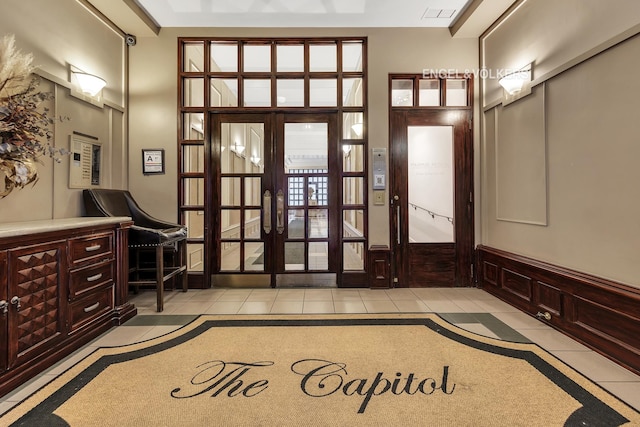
(152, 161)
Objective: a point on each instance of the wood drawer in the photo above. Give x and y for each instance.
(83, 250)
(90, 307)
(89, 278)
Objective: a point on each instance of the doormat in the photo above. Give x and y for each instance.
(324, 370)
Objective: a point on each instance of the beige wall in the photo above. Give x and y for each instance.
(583, 119)
(552, 34)
(154, 95)
(60, 33)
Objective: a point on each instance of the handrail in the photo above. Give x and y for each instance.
(433, 214)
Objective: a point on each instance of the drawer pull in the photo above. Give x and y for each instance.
(94, 277)
(545, 315)
(92, 307)
(92, 248)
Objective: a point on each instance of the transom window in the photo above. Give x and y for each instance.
(274, 73)
(430, 91)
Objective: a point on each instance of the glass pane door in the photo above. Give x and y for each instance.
(277, 211)
(241, 229)
(307, 165)
(306, 171)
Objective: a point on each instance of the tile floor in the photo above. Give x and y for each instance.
(469, 308)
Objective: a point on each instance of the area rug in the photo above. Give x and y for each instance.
(325, 370)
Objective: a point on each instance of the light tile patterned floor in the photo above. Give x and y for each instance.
(468, 308)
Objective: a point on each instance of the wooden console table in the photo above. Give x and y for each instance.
(62, 283)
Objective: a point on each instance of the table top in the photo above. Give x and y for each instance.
(10, 229)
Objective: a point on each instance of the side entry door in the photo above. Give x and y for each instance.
(431, 197)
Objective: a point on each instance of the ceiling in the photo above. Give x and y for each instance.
(464, 18)
(304, 13)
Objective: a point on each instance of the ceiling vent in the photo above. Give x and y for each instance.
(431, 13)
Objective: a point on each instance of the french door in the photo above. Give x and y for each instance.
(432, 197)
(275, 211)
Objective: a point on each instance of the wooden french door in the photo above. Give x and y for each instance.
(431, 166)
(275, 211)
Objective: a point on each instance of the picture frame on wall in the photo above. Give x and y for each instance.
(152, 161)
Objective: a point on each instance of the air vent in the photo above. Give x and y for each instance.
(438, 13)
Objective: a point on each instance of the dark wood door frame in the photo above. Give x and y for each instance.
(461, 120)
(333, 162)
(273, 179)
(213, 178)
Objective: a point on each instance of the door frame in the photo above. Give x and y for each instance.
(213, 200)
(274, 179)
(461, 118)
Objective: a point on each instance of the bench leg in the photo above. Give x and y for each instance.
(183, 263)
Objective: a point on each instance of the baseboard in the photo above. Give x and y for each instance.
(602, 314)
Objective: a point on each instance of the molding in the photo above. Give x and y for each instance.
(143, 15)
(585, 56)
(63, 83)
(601, 314)
(101, 17)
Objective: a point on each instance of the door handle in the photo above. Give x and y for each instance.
(398, 224)
(396, 198)
(266, 206)
(280, 211)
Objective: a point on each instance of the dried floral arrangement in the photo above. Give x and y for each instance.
(24, 126)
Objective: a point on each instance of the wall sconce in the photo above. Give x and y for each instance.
(346, 149)
(89, 83)
(85, 86)
(255, 160)
(516, 85)
(357, 129)
(237, 148)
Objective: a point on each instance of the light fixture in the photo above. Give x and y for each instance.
(514, 82)
(357, 129)
(517, 85)
(346, 149)
(255, 160)
(89, 83)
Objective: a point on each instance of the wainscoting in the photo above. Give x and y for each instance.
(601, 314)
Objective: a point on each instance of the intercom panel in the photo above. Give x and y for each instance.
(379, 169)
